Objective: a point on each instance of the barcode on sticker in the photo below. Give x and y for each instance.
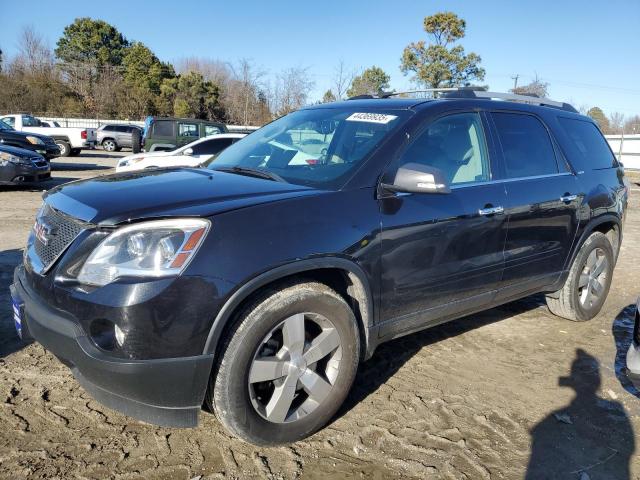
(371, 117)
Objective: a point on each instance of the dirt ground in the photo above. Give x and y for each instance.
(510, 393)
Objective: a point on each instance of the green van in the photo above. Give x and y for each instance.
(165, 133)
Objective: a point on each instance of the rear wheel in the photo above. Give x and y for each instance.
(109, 145)
(65, 148)
(287, 365)
(586, 289)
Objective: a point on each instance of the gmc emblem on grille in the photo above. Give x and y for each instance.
(43, 231)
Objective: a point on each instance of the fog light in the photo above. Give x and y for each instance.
(102, 334)
(119, 335)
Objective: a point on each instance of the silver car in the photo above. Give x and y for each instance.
(115, 137)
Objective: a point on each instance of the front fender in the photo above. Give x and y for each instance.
(355, 272)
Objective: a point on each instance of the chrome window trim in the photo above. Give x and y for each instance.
(509, 180)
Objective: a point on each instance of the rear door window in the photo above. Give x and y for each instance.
(526, 145)
(188, 130)
(588, 148)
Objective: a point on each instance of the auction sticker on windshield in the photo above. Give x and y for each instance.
(371, 117)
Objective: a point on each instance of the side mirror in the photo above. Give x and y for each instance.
(418, 178)
(188, 151)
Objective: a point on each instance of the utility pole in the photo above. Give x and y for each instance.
(515, 80)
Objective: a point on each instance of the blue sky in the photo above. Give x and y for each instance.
(589, 55)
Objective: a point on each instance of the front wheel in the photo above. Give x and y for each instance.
(587, 286)
(287, 365)
(65, 148)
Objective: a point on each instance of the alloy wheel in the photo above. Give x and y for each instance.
(295, 367)
(592, 281)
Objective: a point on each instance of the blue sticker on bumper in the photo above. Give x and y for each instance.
(17, 314)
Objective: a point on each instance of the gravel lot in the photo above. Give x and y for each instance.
(494, 395)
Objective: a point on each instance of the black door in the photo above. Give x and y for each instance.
(443, 253)
(543, 197)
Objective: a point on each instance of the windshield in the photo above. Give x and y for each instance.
(317, 147)
(4, 126)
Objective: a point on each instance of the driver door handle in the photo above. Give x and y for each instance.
(491, 211)
(568, 198)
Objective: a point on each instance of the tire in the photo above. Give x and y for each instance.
(587, 286)
(243, 406)
(65, 148)
(109, 145)
(136, 141)
(75, 152)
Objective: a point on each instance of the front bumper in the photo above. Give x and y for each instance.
(24, 173)
(167, 392)
(633, 354)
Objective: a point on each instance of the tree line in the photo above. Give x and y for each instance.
(95, 71)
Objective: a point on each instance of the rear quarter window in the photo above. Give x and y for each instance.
(163, 128)
(587, 147)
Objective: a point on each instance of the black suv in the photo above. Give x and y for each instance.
(257, 285)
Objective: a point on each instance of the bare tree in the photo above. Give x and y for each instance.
(243, 95)
(213, 70)
(632, 125)
(290, 90)
(342, 80)
(616, 122)
(537, 88)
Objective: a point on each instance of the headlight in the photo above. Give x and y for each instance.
(35, 140)
(7, 157)
(155, 249)
(131, 161)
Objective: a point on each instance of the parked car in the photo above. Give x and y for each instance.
(256, 286)
(113, 138)
(49, 123)
(40, 144)
(191, 155)
(70, 140)
(170, 133)
(18, 165)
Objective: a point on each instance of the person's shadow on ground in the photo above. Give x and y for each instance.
(591, 435)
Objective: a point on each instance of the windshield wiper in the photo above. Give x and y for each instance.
(252, 172)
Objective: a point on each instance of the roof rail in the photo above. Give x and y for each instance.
(444, 90)
(477, 92)
(425, 90)
(510, 97)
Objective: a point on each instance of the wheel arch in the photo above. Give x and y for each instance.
(343, 275)
(64, 138)
(608, 224)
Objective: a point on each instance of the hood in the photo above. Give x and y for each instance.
(16, 133)
(19, 152)
(113, 199)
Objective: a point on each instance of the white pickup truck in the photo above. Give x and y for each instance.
(70, 139)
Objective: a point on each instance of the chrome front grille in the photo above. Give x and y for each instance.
(52, 233)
